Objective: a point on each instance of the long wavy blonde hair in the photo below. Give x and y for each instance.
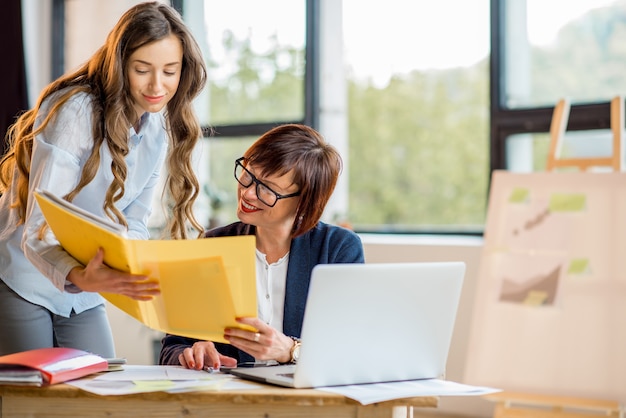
(104, 76)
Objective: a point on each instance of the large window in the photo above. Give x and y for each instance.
(414, 101)
(551, 51)
(422, 99)
(418, 114)
(544, 52)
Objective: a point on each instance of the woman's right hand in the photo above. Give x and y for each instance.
(98, 277)
(202, 355)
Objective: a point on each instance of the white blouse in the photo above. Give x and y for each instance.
(271, 282)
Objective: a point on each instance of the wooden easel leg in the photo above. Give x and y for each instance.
(520, 405)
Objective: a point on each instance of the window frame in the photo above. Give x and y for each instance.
(506, 122)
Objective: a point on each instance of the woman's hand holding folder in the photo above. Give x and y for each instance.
(98, 277)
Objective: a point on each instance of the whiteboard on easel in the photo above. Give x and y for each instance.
(550, 307)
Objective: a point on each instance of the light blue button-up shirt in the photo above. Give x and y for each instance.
(37, 269)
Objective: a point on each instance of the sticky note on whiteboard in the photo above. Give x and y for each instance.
(578, 266)
(519, 195)
(568, 202)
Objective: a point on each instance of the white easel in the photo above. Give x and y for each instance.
(524, 405)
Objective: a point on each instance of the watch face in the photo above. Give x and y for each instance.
(295, 352)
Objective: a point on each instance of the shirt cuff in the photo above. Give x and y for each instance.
(71, 287)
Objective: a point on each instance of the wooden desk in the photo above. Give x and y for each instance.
(65, 401)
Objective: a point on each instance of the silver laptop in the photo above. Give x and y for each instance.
(371, 323)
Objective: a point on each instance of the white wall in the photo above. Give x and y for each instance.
(135, 342)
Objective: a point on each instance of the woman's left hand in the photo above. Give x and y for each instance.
(265, 344)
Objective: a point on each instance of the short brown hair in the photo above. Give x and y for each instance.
(316, 165)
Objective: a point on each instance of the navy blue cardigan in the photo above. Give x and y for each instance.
(324, 244)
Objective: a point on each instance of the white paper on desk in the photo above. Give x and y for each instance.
(380, 392)
(146, 373)
(142, 379)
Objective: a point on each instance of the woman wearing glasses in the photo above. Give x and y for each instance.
(284, 182)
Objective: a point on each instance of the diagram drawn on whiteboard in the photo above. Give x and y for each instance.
(534, 241)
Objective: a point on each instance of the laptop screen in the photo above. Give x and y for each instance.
(377, 322)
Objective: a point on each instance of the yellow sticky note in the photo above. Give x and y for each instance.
(519, 195)
(153, 385)
(536, 298)
(567, 202)
(578, 266)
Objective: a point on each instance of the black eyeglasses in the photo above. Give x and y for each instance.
(263, 192)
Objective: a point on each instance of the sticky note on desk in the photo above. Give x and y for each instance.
(153, 385)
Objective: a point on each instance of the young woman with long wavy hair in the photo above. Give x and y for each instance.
(100, 137)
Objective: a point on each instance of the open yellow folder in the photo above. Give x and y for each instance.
(205, 283)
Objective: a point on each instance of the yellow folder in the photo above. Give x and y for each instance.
(205, 283)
